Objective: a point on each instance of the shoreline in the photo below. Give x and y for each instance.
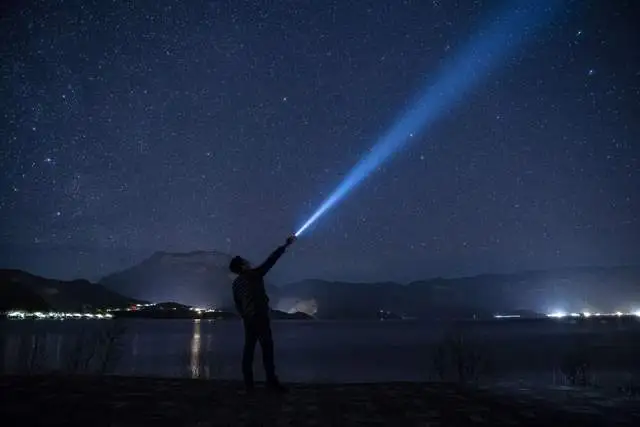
(122, 401)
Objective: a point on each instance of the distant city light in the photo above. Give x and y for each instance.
(587, 314)
(19, 314)
(201, 310)
(507, 316)
(558, 314)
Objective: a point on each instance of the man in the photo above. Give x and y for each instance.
(252, 304)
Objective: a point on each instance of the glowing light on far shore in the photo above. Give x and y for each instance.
(55, 315)
(558, 314)
(588, 314)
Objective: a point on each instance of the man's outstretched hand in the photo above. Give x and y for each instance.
(291, 240)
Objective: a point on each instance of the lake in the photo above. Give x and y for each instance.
(333, 351)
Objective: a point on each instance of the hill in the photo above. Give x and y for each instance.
(24, 291)
(199, 279)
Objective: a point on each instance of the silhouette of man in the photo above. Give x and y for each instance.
(252, 303)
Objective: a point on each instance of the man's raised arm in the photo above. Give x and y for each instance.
(264, 268)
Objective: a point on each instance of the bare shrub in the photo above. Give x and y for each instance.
(631, 387)
(111, 345)
(4, 345)
(575, 366)
(96, 350)
(31, 350)
(213, 364)
(456, 358)
(37, 359)
(186, 365)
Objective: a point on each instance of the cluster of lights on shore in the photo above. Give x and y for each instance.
(60, 315)
(136, 307)
(563, 314)
(18, 314)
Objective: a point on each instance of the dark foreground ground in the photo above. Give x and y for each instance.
(126, 401)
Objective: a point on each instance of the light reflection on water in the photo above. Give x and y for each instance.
(195, 350)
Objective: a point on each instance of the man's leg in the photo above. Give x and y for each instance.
(266, 345)
(250, 338)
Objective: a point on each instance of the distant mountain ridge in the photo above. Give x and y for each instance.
(22, 290)
(202, 278)
(570, 289)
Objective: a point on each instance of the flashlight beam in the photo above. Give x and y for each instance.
(456, 78)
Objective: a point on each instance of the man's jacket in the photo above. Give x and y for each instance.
(249, 293)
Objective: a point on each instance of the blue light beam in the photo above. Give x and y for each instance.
(459, 75)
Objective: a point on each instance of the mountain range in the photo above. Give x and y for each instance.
(202, 279)
(23, 291)
(605, 289)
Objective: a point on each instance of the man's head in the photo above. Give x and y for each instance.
(239, 264)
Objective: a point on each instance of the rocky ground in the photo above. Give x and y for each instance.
(126, 401)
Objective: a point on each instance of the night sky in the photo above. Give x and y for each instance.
(134, 127)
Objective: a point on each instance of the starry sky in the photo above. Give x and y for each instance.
(134, 127)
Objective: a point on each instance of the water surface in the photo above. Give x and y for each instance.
(327, 351)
